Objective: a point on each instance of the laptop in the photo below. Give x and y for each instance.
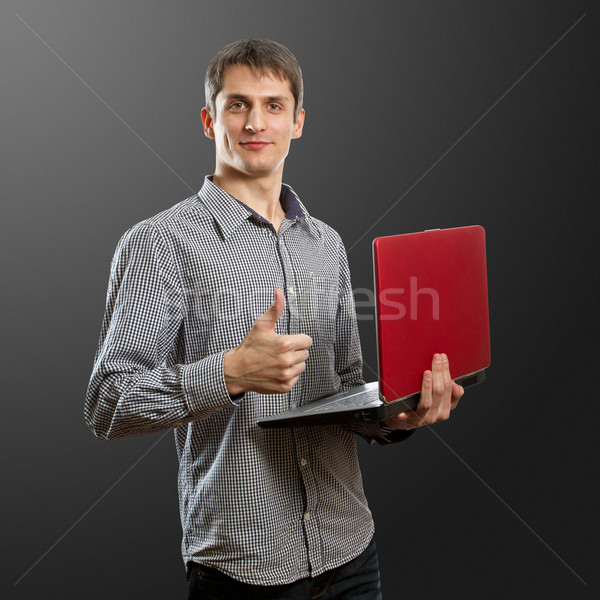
(430, 296)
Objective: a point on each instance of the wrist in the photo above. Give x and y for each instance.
(232, 382)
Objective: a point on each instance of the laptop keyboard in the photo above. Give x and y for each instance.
(364, 399)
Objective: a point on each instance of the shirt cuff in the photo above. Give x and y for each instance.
(392, 436)
(204, 386)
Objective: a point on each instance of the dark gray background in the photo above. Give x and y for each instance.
(471, 112)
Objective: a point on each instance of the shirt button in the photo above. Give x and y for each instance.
(291, 290)
(303, 462)
(307, 516)
(294, 405)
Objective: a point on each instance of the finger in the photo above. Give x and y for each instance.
(270, 316)
(417, 417)
(457, 393)
(298, 356)
(294, 381)
(408, 420)
(291, 372)
(446, 369)
(295, 342)
(445, 405)
(412, 421)
(392, 422)
(439, 381)
(399, 421)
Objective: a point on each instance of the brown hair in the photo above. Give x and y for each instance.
(260, 54)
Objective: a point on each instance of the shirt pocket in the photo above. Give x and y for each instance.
(322, 305)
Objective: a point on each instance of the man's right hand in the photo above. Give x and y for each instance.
(265, 361)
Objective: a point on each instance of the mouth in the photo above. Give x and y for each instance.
(255, 144)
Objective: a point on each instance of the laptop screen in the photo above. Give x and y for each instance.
(431, 296)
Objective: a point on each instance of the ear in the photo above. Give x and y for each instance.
(207, 121)
(298, 125)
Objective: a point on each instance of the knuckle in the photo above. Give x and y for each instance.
(284, 345)
(288, 375)
(282, 386)
(438, 389)
(282, 378)
(443, 415)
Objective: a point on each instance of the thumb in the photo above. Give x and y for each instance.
(269, 318)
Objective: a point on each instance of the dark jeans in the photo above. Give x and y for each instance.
(356, 580)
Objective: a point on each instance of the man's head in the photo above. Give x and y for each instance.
(263, 56)
(254, 108)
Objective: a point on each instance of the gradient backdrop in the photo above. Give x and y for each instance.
(419, 115)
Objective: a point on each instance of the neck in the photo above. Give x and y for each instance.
(260, 194)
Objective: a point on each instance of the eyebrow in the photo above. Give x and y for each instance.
(234, 96)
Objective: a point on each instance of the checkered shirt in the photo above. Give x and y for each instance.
(264, 506)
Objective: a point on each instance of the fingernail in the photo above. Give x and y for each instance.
(427, 375)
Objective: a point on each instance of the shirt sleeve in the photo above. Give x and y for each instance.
(348, 356)
(137, 384)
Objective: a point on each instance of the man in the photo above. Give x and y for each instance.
(186, 343)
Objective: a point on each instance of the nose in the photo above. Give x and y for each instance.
(255, 122)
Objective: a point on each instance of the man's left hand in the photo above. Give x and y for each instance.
(439, 395)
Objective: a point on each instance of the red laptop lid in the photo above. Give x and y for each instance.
(431, 296)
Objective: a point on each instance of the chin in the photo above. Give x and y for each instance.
(260, 169)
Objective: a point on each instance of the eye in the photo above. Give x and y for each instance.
(237, 106)
(273, 106)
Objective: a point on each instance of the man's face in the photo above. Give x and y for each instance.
(254, 123)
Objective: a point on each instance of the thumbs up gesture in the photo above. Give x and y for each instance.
(265, 361)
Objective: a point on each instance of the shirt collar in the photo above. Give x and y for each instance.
(229, 212)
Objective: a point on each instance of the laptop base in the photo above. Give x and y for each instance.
(364, 406)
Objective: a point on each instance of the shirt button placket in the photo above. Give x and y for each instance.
(302, 443)
(292, 303)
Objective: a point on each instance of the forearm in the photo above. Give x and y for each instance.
(123, 401)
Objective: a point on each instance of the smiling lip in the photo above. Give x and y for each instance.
(255, 145)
